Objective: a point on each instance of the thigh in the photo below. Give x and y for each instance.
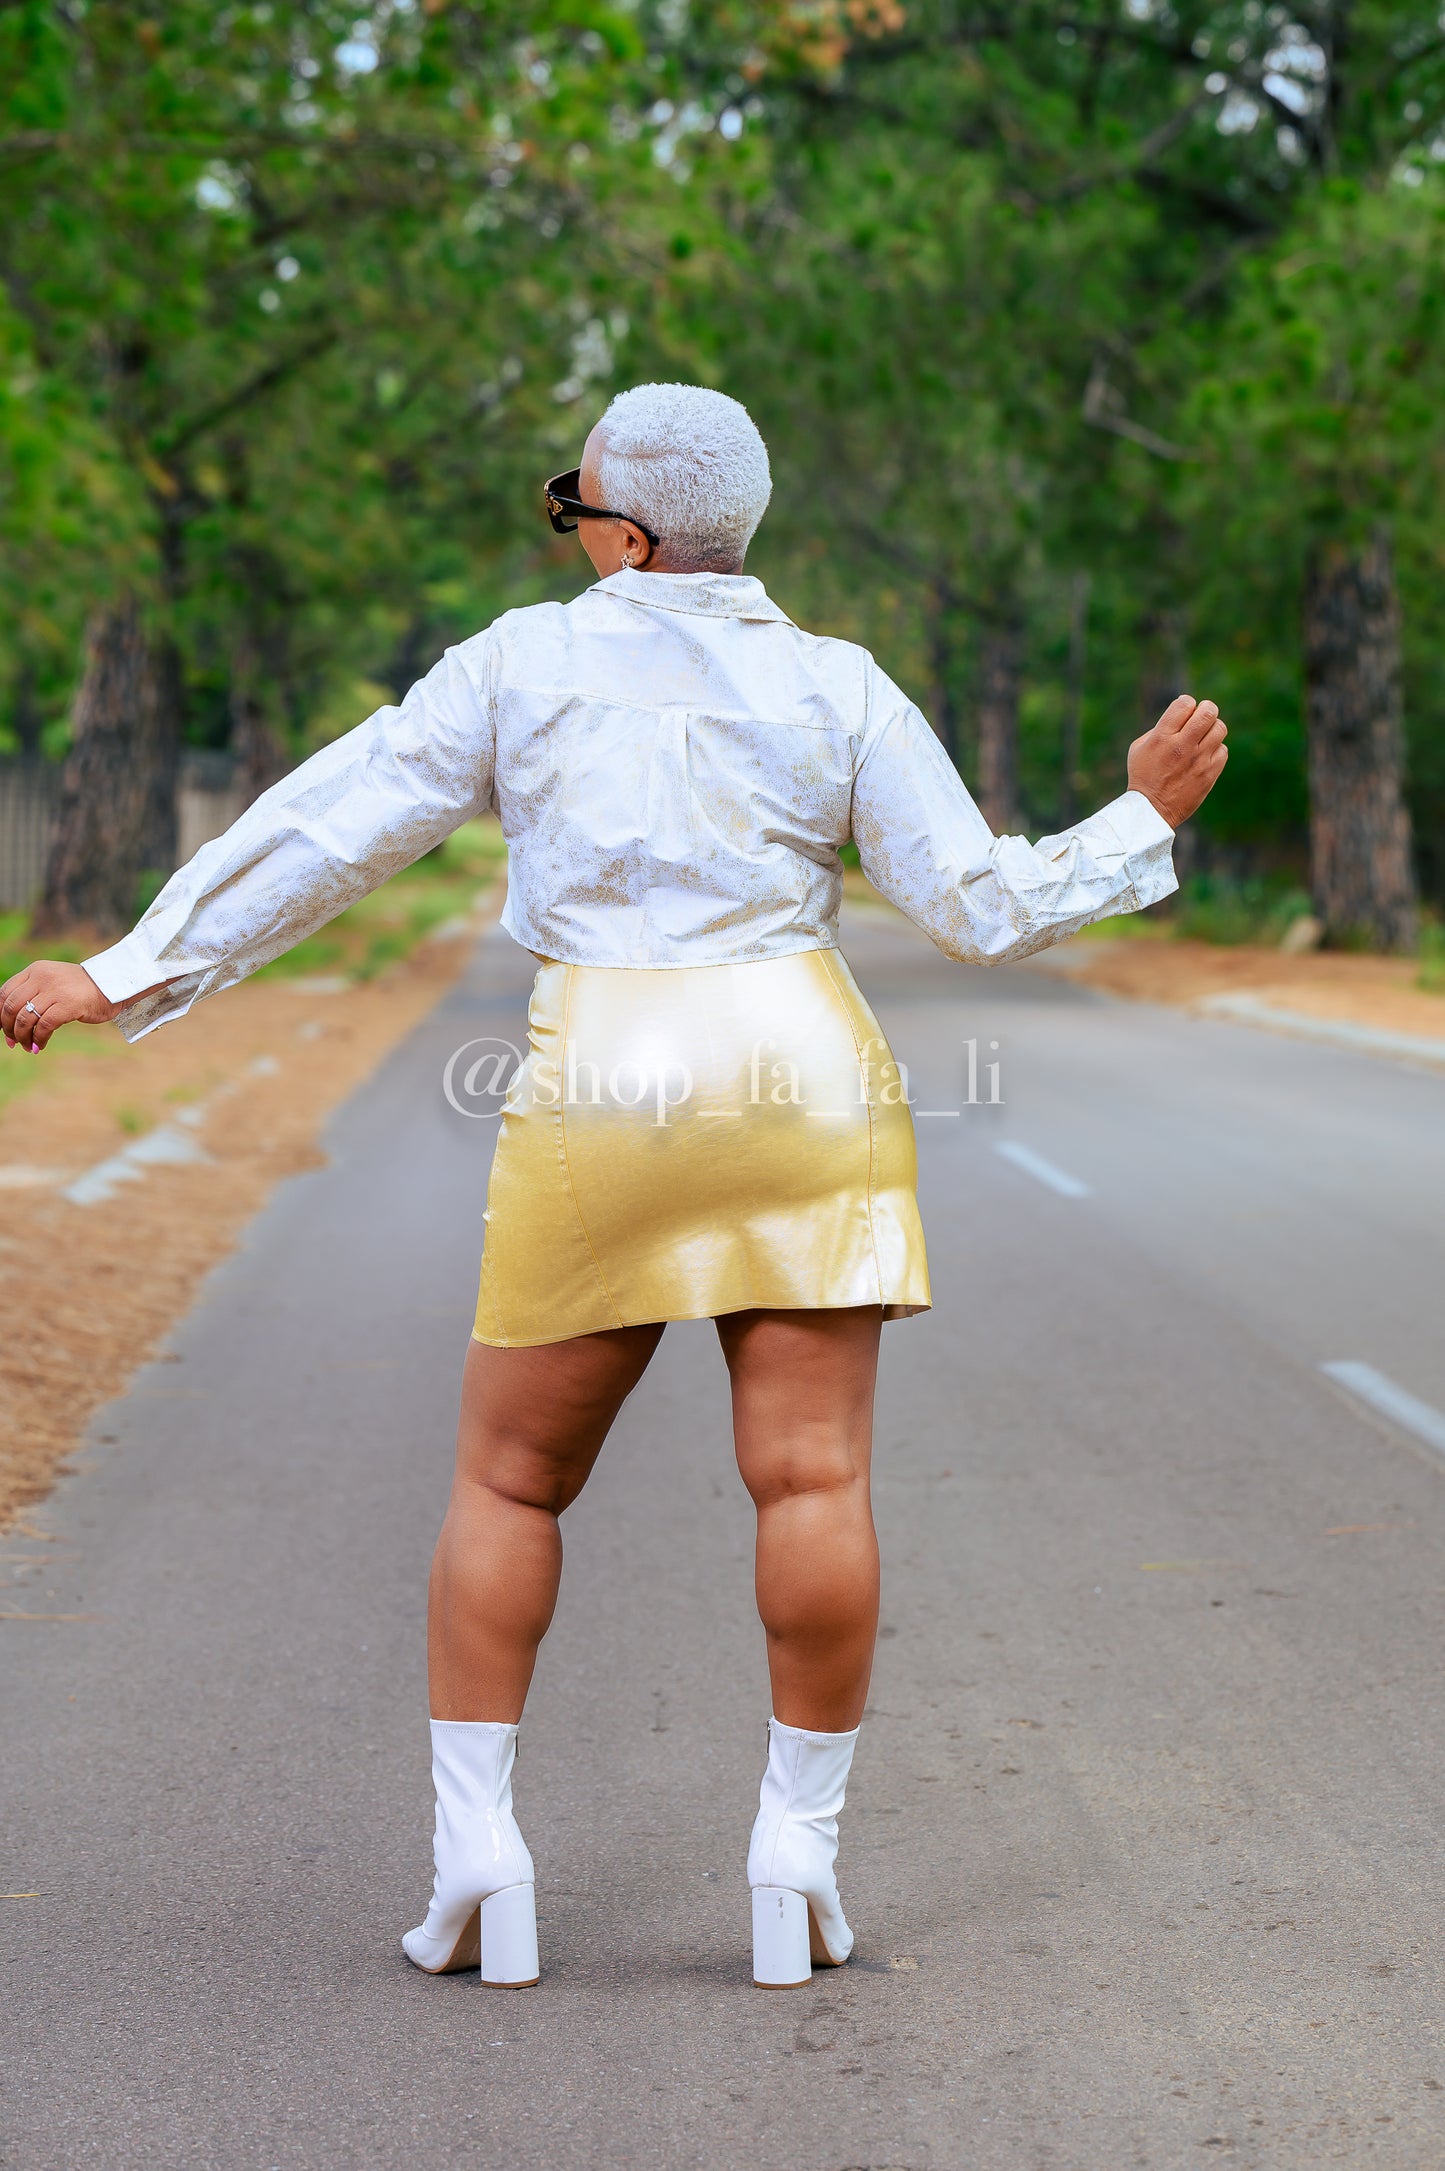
(533, 1420)
(802, 1385)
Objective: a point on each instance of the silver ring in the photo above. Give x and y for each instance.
(31, 1007)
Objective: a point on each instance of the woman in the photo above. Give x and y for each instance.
(707, 1123)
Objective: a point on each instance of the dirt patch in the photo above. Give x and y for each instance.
(1373, 991)
(227, 1102)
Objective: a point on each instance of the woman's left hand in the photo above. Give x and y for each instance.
(45, 996)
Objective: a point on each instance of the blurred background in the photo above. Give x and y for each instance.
(1099, 348)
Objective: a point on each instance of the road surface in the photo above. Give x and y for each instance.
(1143, 1848)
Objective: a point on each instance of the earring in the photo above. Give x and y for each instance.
(629, 561)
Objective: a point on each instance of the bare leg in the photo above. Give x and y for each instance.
(803, 1423)
(532, 1424)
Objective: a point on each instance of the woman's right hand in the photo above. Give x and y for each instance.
(45, 996)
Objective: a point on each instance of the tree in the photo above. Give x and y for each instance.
(1326, 429)
(323, 290)
(1053, 222)
(1030, 302)
(1359, 830)
(118, 804)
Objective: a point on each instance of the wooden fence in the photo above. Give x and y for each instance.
(207, 802)
(29, 799)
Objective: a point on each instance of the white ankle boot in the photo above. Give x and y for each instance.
(797, 1916)
(483, 1907)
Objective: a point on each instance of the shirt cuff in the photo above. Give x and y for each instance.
(125, 971)
(1148, 844)
(1137, 823)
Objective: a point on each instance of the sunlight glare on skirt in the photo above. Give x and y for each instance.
(681, 1143)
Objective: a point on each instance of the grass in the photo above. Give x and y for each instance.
(1213, 908)
(1431, 953)
(17, 946)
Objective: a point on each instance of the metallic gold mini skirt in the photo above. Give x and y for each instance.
(681, 1143)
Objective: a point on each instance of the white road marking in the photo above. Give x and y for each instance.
(166, 1147)
(1044, 1172)
(1397, 1403)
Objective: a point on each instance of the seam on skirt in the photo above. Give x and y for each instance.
(841, 991)
(487, 1276)
(567, 1165)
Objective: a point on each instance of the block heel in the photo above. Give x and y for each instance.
(508, 1938)
(782, 1957)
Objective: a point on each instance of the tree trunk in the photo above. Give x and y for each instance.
(25, 717)
(258, 669)
(261, 758)
(117, 822)
(1001, 662)
(1360, 869)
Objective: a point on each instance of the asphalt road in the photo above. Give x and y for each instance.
(1143, 1848)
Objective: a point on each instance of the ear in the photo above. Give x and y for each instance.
(636, 549)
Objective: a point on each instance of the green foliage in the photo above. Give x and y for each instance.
(1431, 976)
(298, 306)
(299, 313)
(17, 948)
(1214, 908)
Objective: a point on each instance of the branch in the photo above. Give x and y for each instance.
(1097, 411)
(896, 551)
(1004, 25)
(1161, 140)
(255, 388)
(1220, 207)
(33, 143)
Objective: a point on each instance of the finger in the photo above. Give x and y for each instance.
(1177, 715)
(31, 1016)
(45, 1027)
(13, 995)
(1203, 720)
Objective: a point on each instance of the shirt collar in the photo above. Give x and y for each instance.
(703, 595)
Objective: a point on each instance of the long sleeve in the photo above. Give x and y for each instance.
(983, 899)
(354, 814)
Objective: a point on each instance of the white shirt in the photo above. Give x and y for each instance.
(675, 765)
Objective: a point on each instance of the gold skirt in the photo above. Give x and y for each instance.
(692, 1141)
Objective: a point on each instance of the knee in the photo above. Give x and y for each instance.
(513, 1474)
(821, 1470)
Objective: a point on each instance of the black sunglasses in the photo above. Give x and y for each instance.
(565, 508)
